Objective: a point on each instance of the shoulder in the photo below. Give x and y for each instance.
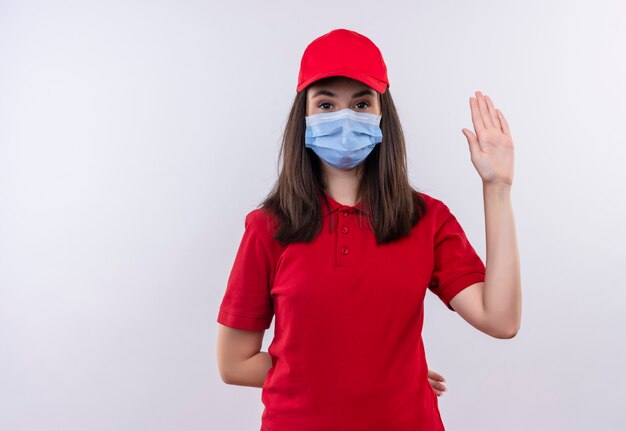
(438, 215)
(255, 217)
(259, 217)
(435, 208)
(263, 224)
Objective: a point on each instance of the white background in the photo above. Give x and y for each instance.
(135, 136)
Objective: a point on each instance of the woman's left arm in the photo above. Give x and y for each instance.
(497, 305)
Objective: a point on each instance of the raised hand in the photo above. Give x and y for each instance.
(491, 148)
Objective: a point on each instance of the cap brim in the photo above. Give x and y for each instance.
(378, 86)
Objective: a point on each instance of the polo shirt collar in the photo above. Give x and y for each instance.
(336, 208)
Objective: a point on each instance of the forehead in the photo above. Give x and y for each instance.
(336, 84)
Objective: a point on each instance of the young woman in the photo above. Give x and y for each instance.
(343, 249)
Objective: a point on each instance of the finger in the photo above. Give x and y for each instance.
(472, 141)
(435, 376)
(437, 385)
(484, 111)
(492, 113)
(477, 120)
(503, 122)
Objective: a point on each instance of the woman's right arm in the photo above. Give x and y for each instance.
(241, 362)
(239, 357)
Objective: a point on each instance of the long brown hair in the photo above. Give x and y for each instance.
(391, 204)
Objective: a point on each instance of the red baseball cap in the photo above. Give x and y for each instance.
(343, 52)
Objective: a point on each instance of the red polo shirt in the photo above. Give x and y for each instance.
(347, 352)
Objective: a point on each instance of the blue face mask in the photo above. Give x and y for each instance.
(343, 138)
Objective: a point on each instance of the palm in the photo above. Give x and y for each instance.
(491, 147)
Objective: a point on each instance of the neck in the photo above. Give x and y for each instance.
(342, 185)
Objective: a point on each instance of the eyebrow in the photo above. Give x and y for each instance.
(367, 91)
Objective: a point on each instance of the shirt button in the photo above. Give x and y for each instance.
(344, 213)
(344, 250)
(344, 229)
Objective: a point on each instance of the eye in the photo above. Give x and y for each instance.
(359, 105)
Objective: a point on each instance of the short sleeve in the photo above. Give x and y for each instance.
(456, 263)
(247, 303)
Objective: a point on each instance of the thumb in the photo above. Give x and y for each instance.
(472, 141)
